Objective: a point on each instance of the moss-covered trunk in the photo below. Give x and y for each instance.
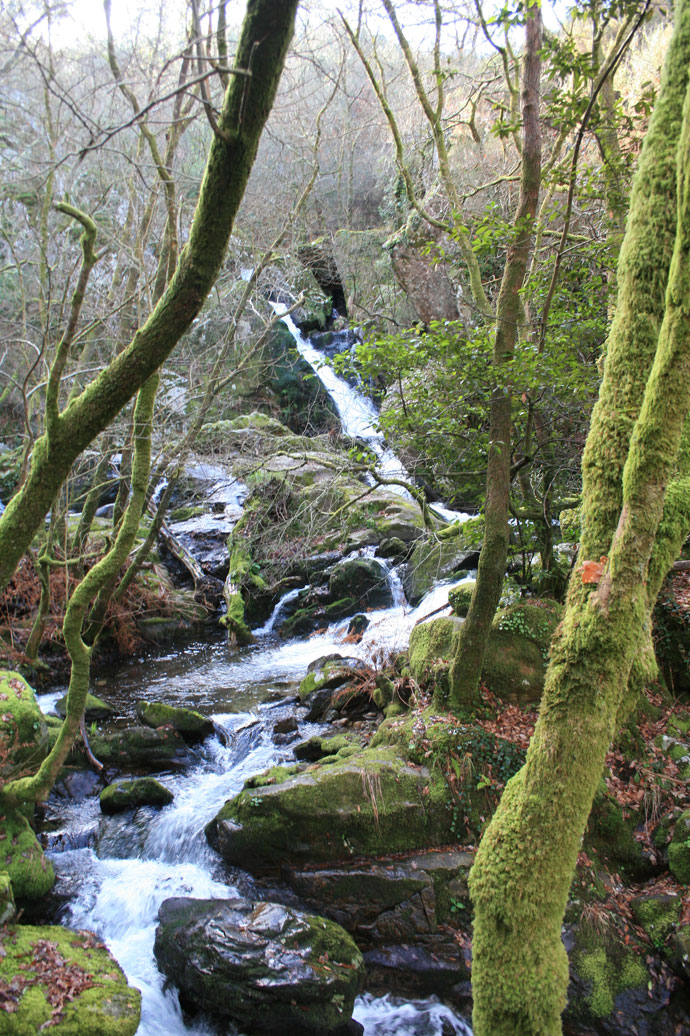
(265, 36)
(467, 663)
(524, 866)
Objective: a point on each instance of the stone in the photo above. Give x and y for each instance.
(362, 579)
(518, 648)
(191, 725)
(96, 708)
(24, 740)
(21, 857)
(89, 994)
(140, 748)
(267, 967)
(432, 561)
(8, 909)
(288, 725)
(145, 791)
(368, 803)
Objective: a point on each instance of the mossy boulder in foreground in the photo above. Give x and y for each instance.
(268, 967)
(63, 982)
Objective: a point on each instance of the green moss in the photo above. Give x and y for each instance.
(190, 724)
(8, 909)
(234, 620)
(431, 643)
(460, 596)
(658, 916)
(609, 978)
(611, 836)
(517, 650)
(107, 1007)
(24, 741)
(30, 871)
(679, 849)
(145, 791)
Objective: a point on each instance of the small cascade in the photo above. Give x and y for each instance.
(280, 607)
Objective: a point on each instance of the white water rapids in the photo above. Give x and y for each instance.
(126, 865)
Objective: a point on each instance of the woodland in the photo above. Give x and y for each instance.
(345, 369)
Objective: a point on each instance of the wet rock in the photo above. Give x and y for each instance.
(96, 708)
(435, 965)
(94, 998)
(288, 725)
(434, 561)
(268, 967)
(140, 748)
(191, 725)
(317, 747)
(357, 625)
(362, 579)
(78, 785)
(325, 679)
(386, 901)
(145, 791)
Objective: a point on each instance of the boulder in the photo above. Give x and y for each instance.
(460, 596)
(96, 708)
(267, 967)
(29, 870)
(123, 795)
(191, 725)
(57, 980)
(518, 649)
(366, 803)
(386, 901)
(431, 649)
(432, 561)
(24, 740)
(8, 909)
(140, 748)
(363, 580)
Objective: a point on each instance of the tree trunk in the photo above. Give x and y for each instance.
(466, 666)
(524, 867)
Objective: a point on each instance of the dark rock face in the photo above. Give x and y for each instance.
(362, 579)
(269, 968)
(141, 748)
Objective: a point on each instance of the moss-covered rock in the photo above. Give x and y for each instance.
(191, 725)
(371, 802)
(96, 708)
(123, 795)
(658, 914)
(679, 849)
(140, 748)
(24, 740)
(431, 649)
(460, 596)
(29, 869)
(518, 647)
(63, 982)
(610, 836)
(364, 581)
(610, 975)
(8, 909)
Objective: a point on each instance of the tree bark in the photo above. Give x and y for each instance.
(468, 659)
(524, 867)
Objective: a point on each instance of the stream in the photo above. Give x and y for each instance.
(116, 870)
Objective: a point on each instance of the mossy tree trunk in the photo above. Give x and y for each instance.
(468, 659)
(261, 51)
(524, 867)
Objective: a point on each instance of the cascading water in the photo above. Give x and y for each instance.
(127, 865)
